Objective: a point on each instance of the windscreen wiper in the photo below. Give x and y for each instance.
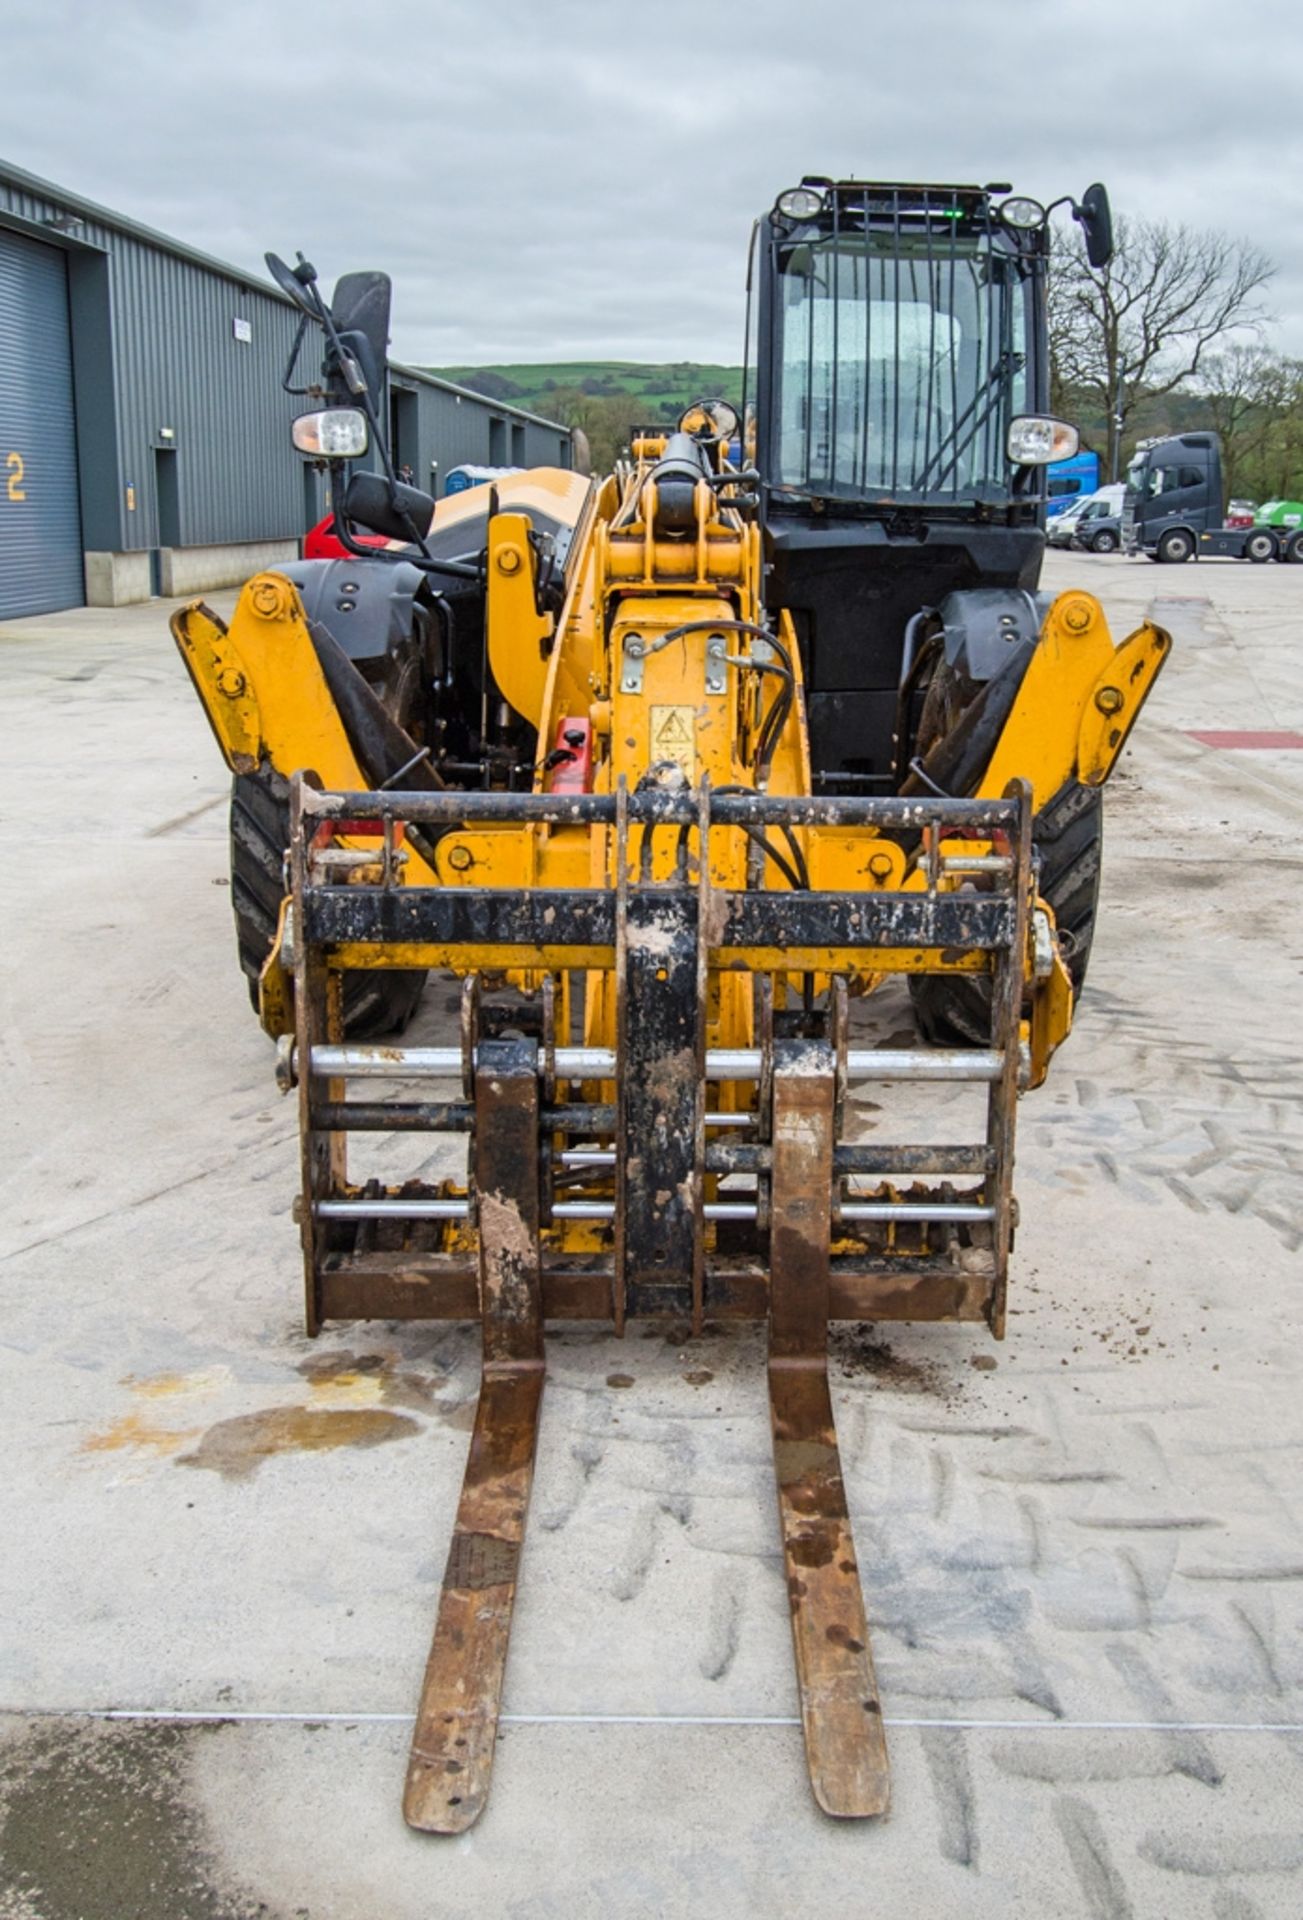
(974, 417)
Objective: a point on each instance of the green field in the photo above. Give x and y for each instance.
(666, 389)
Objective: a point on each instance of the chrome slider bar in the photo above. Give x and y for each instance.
(354, 859)
(889, 1210)
(947, 1210)
(976, 863)
(599, 1063)
(460, 1209)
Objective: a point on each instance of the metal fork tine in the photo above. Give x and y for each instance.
(452, 1747)
(840, 1712)
(456, 1727)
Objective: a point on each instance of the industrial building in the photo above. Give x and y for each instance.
(144, 433)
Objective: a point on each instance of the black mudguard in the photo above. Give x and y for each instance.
(366, 606)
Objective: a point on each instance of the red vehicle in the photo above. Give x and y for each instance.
(323, 543)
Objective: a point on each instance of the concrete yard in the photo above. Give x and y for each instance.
(1081, 1550)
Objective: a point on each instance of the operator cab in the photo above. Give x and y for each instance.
(897, 380)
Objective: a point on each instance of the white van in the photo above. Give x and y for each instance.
(1077, 524)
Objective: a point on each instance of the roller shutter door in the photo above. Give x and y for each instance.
(40, 525)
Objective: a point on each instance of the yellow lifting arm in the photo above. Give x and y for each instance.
(262, 687)
(519, 635)
(1078, 701)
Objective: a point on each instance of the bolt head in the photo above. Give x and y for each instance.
(460, 859)
(1110, 700)
(270, 599)
(509, 560)
(231, 683)
(1076, 616)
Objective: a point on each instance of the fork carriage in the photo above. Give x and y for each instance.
(661, 1176)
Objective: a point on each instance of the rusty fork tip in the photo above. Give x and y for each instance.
(871, 1800)
(877, 1811)
(426, 1809)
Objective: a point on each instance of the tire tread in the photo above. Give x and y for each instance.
(955, 1009)
(374, 1002)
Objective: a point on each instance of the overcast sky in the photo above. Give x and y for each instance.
(553, 179)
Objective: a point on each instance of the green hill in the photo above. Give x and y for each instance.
(661, 390)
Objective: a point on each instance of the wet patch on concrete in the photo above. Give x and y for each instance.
(96, 1824)
(138, 1432)
(173, 1386)
(237, 1448)
(369, 1379)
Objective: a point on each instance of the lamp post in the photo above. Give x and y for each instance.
(1118, 419)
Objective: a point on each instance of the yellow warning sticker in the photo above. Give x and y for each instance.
(674, 737)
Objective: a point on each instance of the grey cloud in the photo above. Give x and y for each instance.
(572, 179)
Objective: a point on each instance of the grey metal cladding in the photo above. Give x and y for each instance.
(181, 366)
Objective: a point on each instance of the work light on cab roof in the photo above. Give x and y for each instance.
(1023, 214)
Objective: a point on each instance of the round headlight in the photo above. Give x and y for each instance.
(800, 203)
(1023, 214)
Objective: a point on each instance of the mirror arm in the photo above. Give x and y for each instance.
(460, 569)
(298, 393)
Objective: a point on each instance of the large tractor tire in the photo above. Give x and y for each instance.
(375, 1002)
(954, 1010)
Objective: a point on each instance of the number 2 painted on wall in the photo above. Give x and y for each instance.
(14, 462)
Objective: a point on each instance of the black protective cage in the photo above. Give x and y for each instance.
(937, 228)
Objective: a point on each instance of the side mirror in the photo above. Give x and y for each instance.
(337, 434)
(399, 512)
(1096, 219)
(360, 310)
(361, 305)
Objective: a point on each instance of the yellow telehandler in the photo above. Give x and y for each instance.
(669, 768)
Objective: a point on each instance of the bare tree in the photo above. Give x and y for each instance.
(1241, 389)
(1145, 324)
(1278, 446)
(1254, 399)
